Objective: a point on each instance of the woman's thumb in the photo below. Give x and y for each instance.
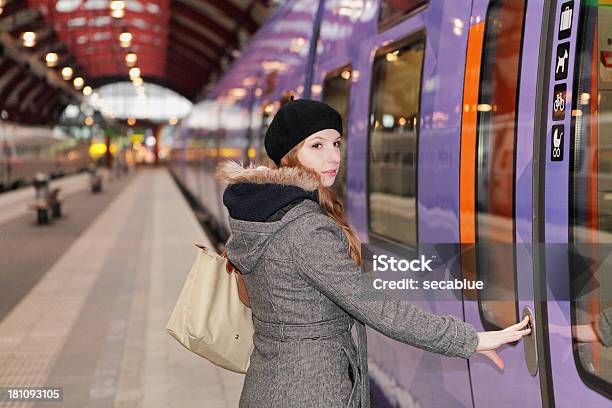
(492, 354)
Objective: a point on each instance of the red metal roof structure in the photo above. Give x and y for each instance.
(180, 44)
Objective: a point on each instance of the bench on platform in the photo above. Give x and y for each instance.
(51, 203)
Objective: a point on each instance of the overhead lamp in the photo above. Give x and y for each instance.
(78, 82)
(51, 58)
(89, 121)
(125, 39)
(117, 9)
(87, 90)
(134, 72)
(125, 36)
(392, 56)
(137, 82)
(117, 13)
(131, 121)
(28, 39)
(173, 121)
(117, 5)
(131, 58)
(67, 73)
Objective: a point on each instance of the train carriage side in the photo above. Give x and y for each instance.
(449, 140)
(397, 75)
(230, 124)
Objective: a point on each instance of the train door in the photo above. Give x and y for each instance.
(496, 193)
(578, 196)
(404, 149)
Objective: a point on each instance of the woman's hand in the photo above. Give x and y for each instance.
(242, 291)
(490, 340)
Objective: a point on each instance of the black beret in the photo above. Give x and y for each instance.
(294, 122)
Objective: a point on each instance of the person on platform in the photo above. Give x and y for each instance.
(299, 270)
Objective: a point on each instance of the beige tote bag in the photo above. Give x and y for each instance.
(209, 318)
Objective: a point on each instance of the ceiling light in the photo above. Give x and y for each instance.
(125, 37)
(134, 72)
(89, 121)
(67, 73)
(137, 81)
(117, 9)
(131, 121)
(117, 5)
(173, 121)
(78, 82)
(392, 56)
(87, 90)
(130, 59)
(28, 39)
(51, 58)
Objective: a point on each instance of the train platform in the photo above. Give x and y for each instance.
(86, 299)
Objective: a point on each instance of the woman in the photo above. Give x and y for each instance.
(300, 262)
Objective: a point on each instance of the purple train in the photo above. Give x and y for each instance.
(466, 121)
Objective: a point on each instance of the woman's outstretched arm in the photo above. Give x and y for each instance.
(321, 255)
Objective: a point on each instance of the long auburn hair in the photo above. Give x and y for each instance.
(329, 202)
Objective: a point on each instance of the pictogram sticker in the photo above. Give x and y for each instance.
(559, 102)
(562, 63)
(556, 150)
(565, 23)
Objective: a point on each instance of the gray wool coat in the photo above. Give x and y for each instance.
(304, 293)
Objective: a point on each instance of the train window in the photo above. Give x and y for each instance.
(266, 119)
(495, 152)
(393, 141)
(591, 198)
(336, 90)
(394, 11)
(288, 96)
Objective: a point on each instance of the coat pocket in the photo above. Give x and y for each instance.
(354, 398)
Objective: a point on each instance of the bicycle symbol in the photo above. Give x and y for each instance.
(559, 103)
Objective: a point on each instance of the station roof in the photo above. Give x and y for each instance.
(180, 44)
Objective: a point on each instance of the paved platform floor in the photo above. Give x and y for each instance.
(94, 323)
(26, 246)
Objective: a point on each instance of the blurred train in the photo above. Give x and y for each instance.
(27, 150)
(466, 121)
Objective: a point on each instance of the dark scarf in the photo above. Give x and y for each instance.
(263, 202)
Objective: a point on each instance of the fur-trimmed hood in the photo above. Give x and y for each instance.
(263, 194)
(231, 172)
